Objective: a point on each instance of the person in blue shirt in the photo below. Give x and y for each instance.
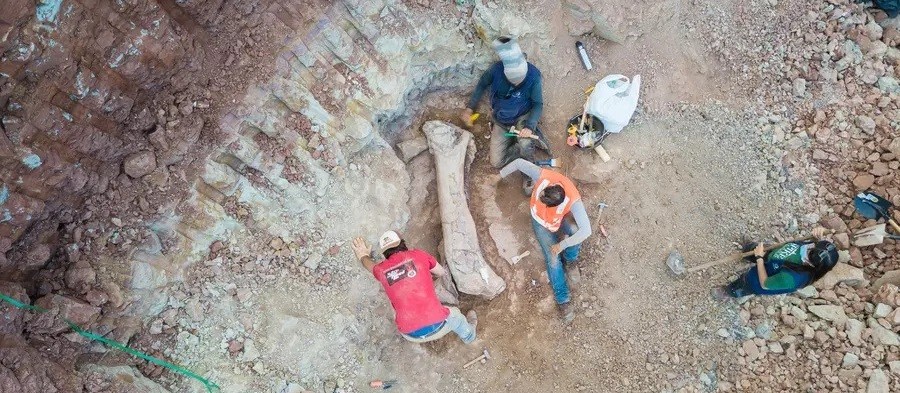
(784, 269)
(514, 87)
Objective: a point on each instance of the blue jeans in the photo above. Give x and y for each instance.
(555, 270)
(456, 322)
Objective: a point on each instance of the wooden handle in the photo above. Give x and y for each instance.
(583, 115)
(894, 225)
(602, 153)
(476, 360)
(735, 257)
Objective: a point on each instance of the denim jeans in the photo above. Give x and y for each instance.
(456, 322)
(555, 270)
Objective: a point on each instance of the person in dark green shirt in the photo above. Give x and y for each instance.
(784, 269)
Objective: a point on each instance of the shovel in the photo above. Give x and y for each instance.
(872, 206)
(676, 262)
(872, 235)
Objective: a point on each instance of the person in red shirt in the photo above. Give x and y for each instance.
(404, 274)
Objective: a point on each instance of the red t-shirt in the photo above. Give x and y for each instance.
(406, 279)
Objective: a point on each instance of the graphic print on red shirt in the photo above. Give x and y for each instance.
(407, 282)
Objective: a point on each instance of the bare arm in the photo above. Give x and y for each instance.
(368, 263)
(521, 165)
(760, 251)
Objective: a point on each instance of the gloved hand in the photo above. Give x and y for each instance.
(466, 117)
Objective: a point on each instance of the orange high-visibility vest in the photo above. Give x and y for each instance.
(552, 217)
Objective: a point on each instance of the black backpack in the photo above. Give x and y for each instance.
(891, 7)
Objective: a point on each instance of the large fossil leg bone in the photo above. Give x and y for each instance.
(449, 145)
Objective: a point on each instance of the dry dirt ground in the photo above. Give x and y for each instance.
(685, 175)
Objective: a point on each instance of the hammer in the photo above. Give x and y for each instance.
(600, 207)
(484, 357)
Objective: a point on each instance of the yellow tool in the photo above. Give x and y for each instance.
(474, 117)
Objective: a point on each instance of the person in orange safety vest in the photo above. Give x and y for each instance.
(555, 203)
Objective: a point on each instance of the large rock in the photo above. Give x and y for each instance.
(841, 273)
(412, 148)
(830, 313)
(117, 379)
(882, 335)
(891, 277)
(60, 308)
(12, 318)
(878, 382)
(450, 145)
(140, 164)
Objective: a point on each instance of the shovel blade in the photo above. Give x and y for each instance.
(872, 206)
(870, 236)
(676, 263)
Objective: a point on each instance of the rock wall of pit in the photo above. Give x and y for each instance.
(140, 135)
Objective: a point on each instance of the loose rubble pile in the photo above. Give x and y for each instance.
(838, 103)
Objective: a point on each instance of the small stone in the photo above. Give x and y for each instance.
(864, 181)
(775, 348)
(96, 297)
(334, 250)
(798, 313)
(808, 292)
(235, 346)
(799, 87)
(895, 367)
(139, 164)
(850, 360)
(882, 310)
(854, 331)
(751, 351)
(723, 333)
(250, 351)
(881, 335)
(277, 243)
(829, 313)
(866, 124)
(313, 262)
(878, 382)
(842, 241)
(243, 294)
(411, 148)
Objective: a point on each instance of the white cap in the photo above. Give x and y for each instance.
(389, 239)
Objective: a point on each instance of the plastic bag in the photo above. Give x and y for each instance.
(614, 100)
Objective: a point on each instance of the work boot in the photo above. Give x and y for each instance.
(566, 313)
(472, 318)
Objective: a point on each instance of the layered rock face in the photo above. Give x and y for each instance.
(138, 133)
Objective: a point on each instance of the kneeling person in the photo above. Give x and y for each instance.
(404, 275)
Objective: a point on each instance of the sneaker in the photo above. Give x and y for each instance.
(566, 313)
(472, 318)
(719, 293)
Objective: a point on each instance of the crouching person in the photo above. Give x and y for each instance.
(404, 275)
